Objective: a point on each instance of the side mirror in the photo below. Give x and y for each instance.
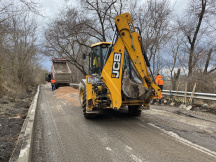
(84, 56)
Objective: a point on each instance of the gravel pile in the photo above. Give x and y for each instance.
(68, 94)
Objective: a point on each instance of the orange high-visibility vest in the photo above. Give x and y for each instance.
(52, 81)
(159, 80)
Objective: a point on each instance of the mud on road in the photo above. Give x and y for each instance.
(12, 116)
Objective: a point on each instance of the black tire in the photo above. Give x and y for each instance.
(134, 110)
(83, 103)
(82, 96)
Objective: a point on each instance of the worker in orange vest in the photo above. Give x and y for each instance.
(159, 82)
(53, 84)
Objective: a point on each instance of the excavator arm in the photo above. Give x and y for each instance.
(111, 74)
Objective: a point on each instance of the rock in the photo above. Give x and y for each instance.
(205, 105)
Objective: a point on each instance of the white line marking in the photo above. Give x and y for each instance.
(186, 142)
(128, 148)
(64, 103)
(108, 148)
(135, 158)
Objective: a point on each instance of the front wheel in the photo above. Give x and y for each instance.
(82, 94)
(82, 98)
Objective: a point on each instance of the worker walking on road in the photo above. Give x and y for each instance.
(53, 84)
(159, 82)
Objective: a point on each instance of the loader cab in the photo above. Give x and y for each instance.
(97, 57)
(99, 52)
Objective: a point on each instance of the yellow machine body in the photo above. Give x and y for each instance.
(112, 71)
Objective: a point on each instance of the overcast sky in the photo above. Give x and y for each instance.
(51, 8)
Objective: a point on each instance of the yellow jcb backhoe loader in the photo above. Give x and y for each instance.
(119, 73)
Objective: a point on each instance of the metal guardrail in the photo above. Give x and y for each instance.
(204, 96)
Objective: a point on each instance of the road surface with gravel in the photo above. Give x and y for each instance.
(162, 133)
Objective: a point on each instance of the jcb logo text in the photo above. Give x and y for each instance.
(116, 65)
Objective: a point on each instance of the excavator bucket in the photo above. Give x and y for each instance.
(130, 88)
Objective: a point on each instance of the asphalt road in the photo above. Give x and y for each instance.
(160, 134)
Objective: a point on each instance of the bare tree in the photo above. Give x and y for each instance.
(210, 57)
(18, 52)
(172, 61)
(197, 31)
(31, 5)
(21, 49)
(199, 43)
(99, 12)
(66, 38)
(153, 20)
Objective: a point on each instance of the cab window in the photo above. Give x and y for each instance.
(96, 60)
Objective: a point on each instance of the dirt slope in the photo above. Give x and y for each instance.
(12, 116)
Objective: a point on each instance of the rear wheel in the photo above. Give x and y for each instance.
(134, 110)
